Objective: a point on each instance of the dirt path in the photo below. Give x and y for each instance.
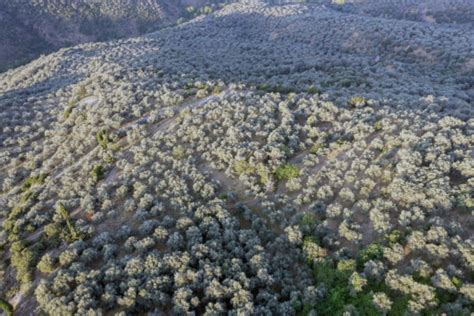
(165, 125)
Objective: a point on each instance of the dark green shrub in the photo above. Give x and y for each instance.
(287, 172)
(98, 173)
(22, 259)
(68, 111)
(313, 90)
(103, 138)
(308, 219)
(31, 181)
(338, 295)
(347, 265)
(372, 252)
(6, 307)
(394, 236)
(346, 83)
(399, 306)
(73, 233)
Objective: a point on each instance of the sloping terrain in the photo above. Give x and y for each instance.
(454, 13)
(273, 160)
(31, 28)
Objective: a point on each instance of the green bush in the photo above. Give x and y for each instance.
(52, 230)
(378, 126)
(347, 265)
(81, 93)
(313, 90)
(103, 138)
(281, 89)
(346, 83)
(287, 172)
(456, 281)
(46, 264)
(339, 297)
(357, 101)
(372, 252)
(264, 173)
(243, 167)
(399, 306)
(22, 259)
(6, 307)
(217, 90)
(32, 181)
(98, 173)
(68, 110)
(308, 219)
(394, 236)
(73, 233)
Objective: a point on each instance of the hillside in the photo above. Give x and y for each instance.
(262, 159)
(31, 28)
(454, 13)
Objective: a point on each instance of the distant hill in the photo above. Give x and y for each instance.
(31, 28)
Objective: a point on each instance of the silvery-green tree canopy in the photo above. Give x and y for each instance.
(277, 159)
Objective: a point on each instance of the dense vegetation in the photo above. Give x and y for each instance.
(34, 27)
(452, 13)
(259, 160)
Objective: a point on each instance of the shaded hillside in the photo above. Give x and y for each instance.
(455, 13)
(31, 28)
(15, 35)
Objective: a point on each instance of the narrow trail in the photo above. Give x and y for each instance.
(162, 126)
(165, 125)
(20, 301)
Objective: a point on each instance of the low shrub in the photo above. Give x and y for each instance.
(32, 181)
(6, 307)
(98, 173)
(287, 172)
(357, 101)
